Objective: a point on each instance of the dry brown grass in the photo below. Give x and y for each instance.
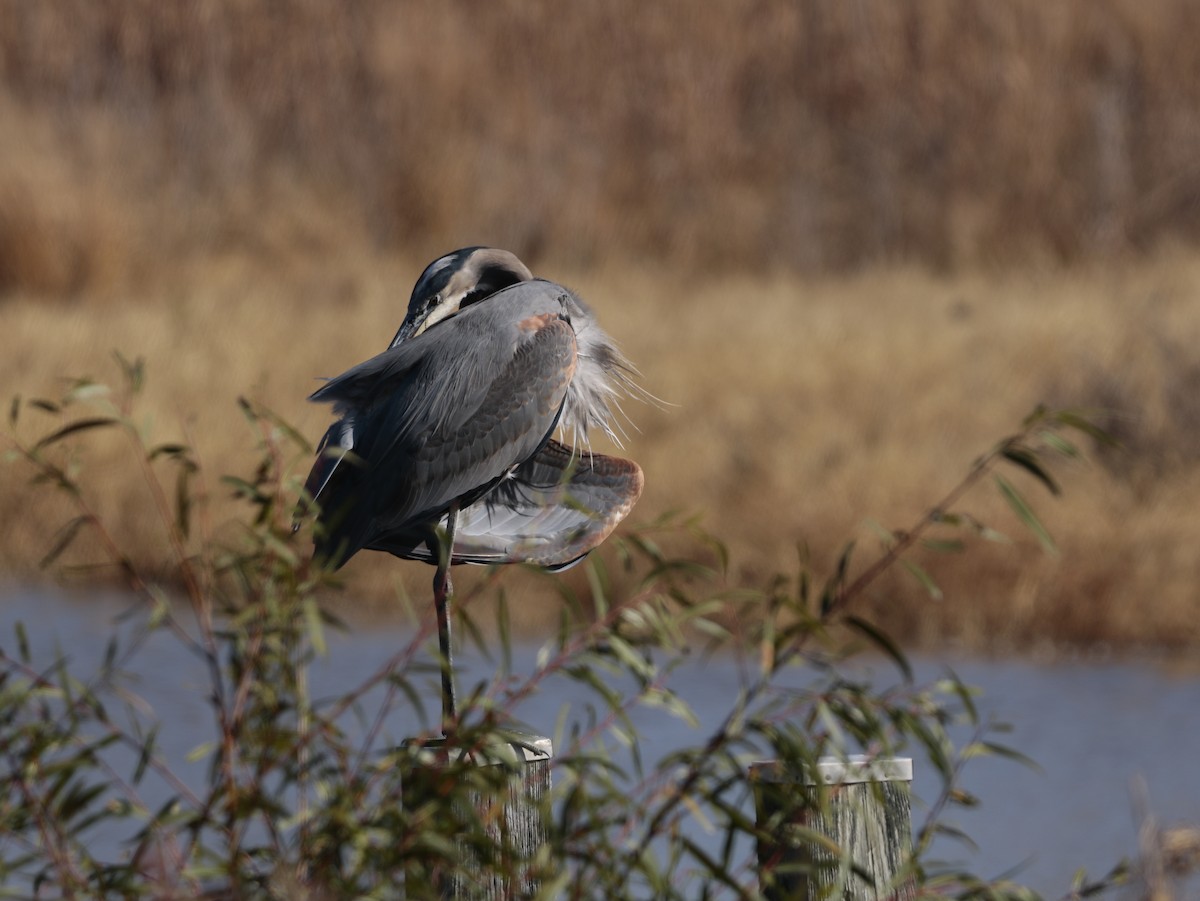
(802, 408)
(244, 193)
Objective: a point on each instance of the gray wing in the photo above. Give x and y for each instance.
(551, 511)
(441, 418)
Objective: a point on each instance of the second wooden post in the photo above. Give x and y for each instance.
(845, 832)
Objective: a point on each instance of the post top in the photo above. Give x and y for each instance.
(518, 746)
(839, 771)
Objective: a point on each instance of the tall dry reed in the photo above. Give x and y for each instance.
(806, 136)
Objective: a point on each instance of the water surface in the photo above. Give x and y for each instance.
(1091, 727)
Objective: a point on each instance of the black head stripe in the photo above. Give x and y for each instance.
(492, 278)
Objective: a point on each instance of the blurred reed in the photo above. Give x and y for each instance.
(809, 136)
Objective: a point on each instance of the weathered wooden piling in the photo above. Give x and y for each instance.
(844, 833)
(502, 829)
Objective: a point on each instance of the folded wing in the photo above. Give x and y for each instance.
(551, 511)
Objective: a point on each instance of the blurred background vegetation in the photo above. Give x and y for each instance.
(850, 242)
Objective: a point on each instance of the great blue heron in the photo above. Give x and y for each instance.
(443, 449)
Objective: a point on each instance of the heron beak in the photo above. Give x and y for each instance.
(443, 310)
(414, 325)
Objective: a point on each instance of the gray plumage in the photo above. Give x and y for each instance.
(458, 414)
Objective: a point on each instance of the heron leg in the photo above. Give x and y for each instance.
(443, 590)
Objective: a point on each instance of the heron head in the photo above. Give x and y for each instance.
(455, 281)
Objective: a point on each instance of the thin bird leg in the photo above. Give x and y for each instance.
(443, 590)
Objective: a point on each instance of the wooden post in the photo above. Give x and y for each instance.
(497, 819)
(846, 834)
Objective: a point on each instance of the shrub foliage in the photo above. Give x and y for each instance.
(307, 797)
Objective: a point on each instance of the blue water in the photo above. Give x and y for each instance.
(1093, 728)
